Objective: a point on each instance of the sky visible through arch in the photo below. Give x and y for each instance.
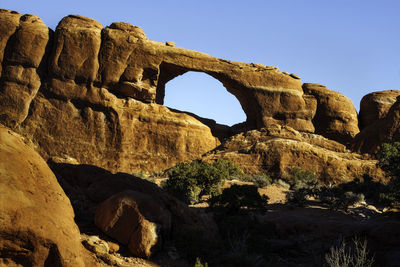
(351, 46)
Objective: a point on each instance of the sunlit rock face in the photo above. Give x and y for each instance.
(278, 149)
(336, 117)
(383, 130)
(37, 225)
(95, 94)
(376, 105)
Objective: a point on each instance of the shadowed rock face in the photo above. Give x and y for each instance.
(96, 94)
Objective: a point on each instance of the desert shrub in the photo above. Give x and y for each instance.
(298, 197)
(245, 239)
(193, 242)
(354, 255)
(261, 179)
(199, 264)
(189, 181)
(389, 160)
(301, 179)
(239, 197)
(228, 168)
(344, 201)
(370, 189)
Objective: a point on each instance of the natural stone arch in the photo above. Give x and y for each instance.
(169, 73)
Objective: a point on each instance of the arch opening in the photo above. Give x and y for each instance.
(204, 96)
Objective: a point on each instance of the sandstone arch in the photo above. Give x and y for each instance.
(201, 94)
(91, 72)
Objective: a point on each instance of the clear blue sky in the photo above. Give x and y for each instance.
(351, 46)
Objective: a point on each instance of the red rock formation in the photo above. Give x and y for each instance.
(136, 220)
(278, 149)
(82, 111)
(375, 106)
(336, 117)
(37, 225)
(97, 96)
(23, 43)
(384, 130)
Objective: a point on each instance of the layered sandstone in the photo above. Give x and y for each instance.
(336, 117)
(278, 149)
(96, 93)
(23, 43)
(37, 225)
(375, 106)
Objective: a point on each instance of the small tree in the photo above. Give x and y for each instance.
(389, 160)
(238, 197)
(189, 181)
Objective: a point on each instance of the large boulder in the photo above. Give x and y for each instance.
(375, 106)
(37, 225)
(336, 117)
(136, 220)
(278, 149)
(97, 185)
(384, 130)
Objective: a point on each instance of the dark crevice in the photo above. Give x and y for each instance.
(54, 257)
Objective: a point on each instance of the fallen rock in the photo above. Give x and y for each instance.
(135, 220)
(37, 225)
(96, 245)
(375, 106)
(278, 149)
(336, 117)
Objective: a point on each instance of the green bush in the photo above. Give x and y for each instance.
(344, 201)
(389, 160)
(199, 264)
(302, 179)
(261, 179)
(298, 196)
(239, 197)
(189, 181)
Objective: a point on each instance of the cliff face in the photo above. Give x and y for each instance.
(95, 94)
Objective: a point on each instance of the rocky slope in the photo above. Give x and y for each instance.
(278, 149)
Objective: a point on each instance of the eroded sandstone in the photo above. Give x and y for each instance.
(278, 149)
(384, 130)
(375, 106)
(101, 91)
(37, 225)
(336, 117)
(23, 44)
